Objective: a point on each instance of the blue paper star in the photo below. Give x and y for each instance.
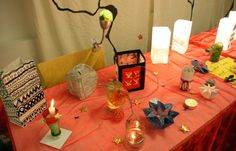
(160, 115)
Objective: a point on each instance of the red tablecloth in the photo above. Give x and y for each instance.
(211, 123)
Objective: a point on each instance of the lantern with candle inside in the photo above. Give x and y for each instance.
(134, 135)
(51, 117)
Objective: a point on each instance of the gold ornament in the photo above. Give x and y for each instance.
(117, 140)
(83, 109)
(155, 73)
(184, 129)
(136, 101)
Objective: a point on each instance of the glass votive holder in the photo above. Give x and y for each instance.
(134, 135)
(52, 121)
(116, 94)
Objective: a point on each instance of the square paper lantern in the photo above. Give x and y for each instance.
(232, 16)
(181, 34)
(160, 44)
(225, 32)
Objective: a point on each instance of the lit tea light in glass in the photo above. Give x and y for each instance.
(190, 103)
(134, 134)
(135, 137)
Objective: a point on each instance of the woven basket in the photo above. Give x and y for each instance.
(82, 81)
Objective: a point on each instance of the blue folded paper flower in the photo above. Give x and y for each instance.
(160, 115)
(200, 67)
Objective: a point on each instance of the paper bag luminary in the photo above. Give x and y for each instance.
(51, 117)
(180, 41)
(186, 78)
(232, 16)
(225, 32)
(160, 44)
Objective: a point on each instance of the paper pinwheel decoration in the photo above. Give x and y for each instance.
(160, 115)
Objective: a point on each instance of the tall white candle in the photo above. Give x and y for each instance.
(52, 108)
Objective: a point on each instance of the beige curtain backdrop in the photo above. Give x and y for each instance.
(206, 13)
(62, 32)
(36, 29)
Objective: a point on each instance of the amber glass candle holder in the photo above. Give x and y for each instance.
(134, 135)
(116, 94)
(53, 122)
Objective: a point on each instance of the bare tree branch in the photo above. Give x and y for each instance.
(111, 8)
(192, 6)
(231, 8)
(77, 11)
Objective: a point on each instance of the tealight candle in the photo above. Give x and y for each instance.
(52, 109)
(190, 103)
(135, 137)
(134, 134)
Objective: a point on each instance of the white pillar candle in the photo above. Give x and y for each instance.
(52, 108)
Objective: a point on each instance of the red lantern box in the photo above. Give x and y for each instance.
(131, 69)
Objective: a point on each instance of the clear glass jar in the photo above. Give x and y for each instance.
(134, 135)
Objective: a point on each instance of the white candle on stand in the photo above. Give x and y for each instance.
(52, 108)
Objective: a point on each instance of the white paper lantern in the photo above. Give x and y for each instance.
(181, 34)
(232, 16)
(160, 44)
(225, 32)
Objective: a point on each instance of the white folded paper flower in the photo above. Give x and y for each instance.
(208, 91)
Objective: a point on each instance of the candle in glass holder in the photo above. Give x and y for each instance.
(134, 133)
(134, 137)
(51, 109)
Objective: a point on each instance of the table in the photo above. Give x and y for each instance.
(211, 123)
